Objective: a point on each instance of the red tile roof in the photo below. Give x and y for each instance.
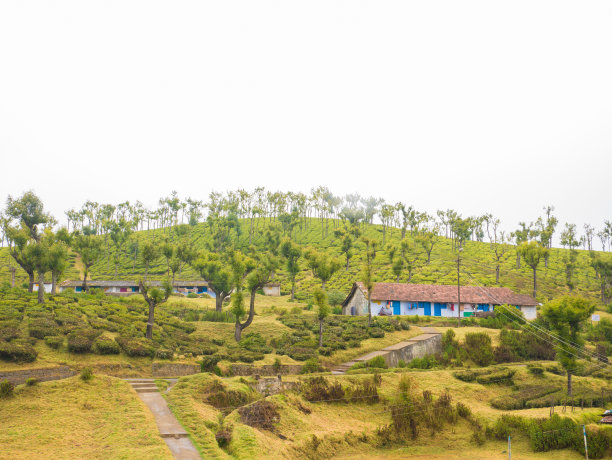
(446, 294)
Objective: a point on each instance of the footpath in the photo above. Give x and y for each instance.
(176, 438)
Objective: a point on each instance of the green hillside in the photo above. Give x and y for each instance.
(477, 260)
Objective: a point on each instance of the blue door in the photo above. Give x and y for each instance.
(426, 307)
(438, 308)
(396, 307)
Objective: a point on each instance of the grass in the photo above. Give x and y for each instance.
(338, 426)
(99, 419)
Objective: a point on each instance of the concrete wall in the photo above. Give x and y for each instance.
(405, 309)
(272, 291)
(417, 347)
(273, 385)
(42, 375)
(166, 370)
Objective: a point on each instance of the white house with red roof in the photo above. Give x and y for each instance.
(434, 300)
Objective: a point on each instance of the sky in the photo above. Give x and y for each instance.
(477, 106)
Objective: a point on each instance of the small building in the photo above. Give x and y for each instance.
(47, 287)
(433, 300)
(123, 288)
(272, 289)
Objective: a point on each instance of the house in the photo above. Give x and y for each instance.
(272, 289)
(123, 288)
(433, 300)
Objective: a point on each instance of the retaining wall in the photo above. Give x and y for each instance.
(42, 375)
(417, 347)
(166, 370)
(265, 370)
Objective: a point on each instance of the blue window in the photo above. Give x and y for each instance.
(78, 289)
(438, 307)
(483, 306)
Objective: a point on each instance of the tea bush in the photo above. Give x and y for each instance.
(6, 389)
(17, 352)
(78, 343)
(105, 346)
(54, 341)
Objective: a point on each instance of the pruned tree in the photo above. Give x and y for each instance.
(320, 300)
(427, 239)
(291, 252)
(367, 273)
(89, 247)
(149, 253)
(323, 265)
(154, 296)
(215, 272)
(497, 242)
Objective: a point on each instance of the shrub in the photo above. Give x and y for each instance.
(192, 295)
(335, 298)
(535, 369)
(6, 389)
(17, 352)
(86, 374)
(478, 347)
(310, 366)
(105, 346)
(255, 342)
(163, 353)
(224, 435)
(208, 363)
(135, 347)
(319, 389)
(79, 343)
(463, 410)
(376, 332)
(426, 362)
(261, 414)
(31, 381)
(54, 341)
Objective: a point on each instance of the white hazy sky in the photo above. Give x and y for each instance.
(480, 106)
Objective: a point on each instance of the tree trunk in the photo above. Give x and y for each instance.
(238, 330)
(53, 282)
(497, 274)
(323, 284)
(151, 320)
(41, 287)
(397, 279)
(569, 384)
(347, 263)
(535, 285)
(146, 271)
(518, 260)
(13, 277)
(31, 282)
(219, 301)
(320, 333)
(293, 289)
(429, 257)
(369, 308)
(240, 327)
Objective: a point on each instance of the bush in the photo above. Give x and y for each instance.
(163, 353)
(6, 389)
(86, 374)
(208, 363)
(192, 295)
(311, 365)
(135, 347)
(376, 332)
(426, 362)
(335, 298)
(478, 347)
(319, 389)
(261, 414)
(54, 341)
(79, 343)
(535, 369)
(20, 353)
(31, 381)
(105, 346)
(463, 410)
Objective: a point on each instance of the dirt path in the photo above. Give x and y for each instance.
(176, 438)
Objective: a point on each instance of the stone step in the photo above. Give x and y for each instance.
(142, 384)
(139, 380)
(147, 390)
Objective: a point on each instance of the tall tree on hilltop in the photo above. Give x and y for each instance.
(39, 254)
(367, 274)
(427, 239)
(29, 211)
(521, 235)
(497, 242)
(566, 316)
(532, 253)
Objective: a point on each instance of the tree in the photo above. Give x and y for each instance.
(19, 239)
(603, 272)
(89, 248)
(367, 273)
(29, 211)
(260, 271)
(148, 254)
(521, 236)
(154, 296)
(566, 316)
(39, 254)
(323, 265)
(346, 244)
(532, 253)
(216, 274)
(58, 262)
(427, 239)
(291, 252)
(497, 242)
(320, 300)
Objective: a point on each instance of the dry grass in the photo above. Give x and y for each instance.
(99, 419)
